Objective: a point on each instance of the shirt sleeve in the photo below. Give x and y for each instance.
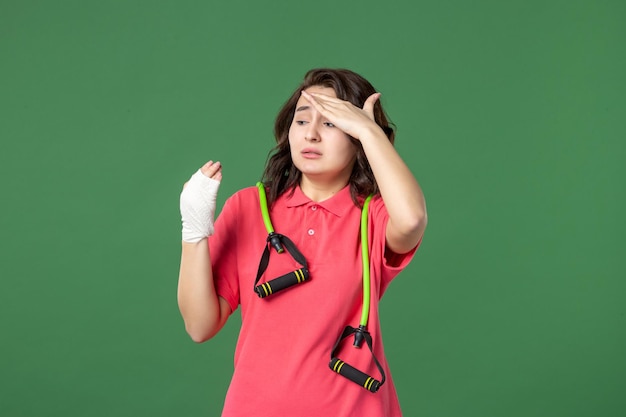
(389, 263)
(222, 249)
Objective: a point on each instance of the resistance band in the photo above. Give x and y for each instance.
(279, 243)
(360, 333)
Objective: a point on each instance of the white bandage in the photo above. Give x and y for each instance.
(197, 207)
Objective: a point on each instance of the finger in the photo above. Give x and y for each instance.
(206, 166)
(210, 169)
(322, 98)
(310, 97)
(326, 105)
(368, 106)
(316, 102)
(320, 95)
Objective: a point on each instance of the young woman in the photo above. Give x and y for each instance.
(334, 148)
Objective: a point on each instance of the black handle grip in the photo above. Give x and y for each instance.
(354, 375)
(285, 281)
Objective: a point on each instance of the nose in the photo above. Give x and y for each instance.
(311, 137)
(312, 133)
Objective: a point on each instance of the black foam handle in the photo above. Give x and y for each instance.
(285, 281)
(354, 375)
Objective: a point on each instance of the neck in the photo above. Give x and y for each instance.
(318, 190)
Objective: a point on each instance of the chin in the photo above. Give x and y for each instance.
(307, 167)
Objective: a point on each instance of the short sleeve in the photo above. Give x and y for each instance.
(389, 264)
(222, 246)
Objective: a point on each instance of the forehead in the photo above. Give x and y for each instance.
(317, 90)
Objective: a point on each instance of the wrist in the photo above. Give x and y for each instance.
(372, 132)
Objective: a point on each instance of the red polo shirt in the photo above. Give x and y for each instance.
(283, 350)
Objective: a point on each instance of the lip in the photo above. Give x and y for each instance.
(310, 153)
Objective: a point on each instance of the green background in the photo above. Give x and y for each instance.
(511, 114)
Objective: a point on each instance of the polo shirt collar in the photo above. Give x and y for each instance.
(338, 204)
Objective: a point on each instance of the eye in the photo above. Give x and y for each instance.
(329, 124)
(300, 122)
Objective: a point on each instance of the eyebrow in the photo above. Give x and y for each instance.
(302, 108)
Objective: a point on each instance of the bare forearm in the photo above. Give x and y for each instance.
(399, 189)
(199, 304)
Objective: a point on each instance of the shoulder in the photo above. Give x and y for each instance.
(377, 208)
(245, 196)
(241, 202)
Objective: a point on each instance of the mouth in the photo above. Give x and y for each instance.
(311, 153)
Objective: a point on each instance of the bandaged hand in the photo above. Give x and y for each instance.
(198, 201)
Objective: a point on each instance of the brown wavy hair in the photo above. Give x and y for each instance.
(281, 175)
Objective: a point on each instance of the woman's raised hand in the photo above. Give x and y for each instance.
(344, 115)
(212, 170)
(198, 202)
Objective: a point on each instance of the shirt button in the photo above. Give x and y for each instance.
(313, 208)
(311, 232)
